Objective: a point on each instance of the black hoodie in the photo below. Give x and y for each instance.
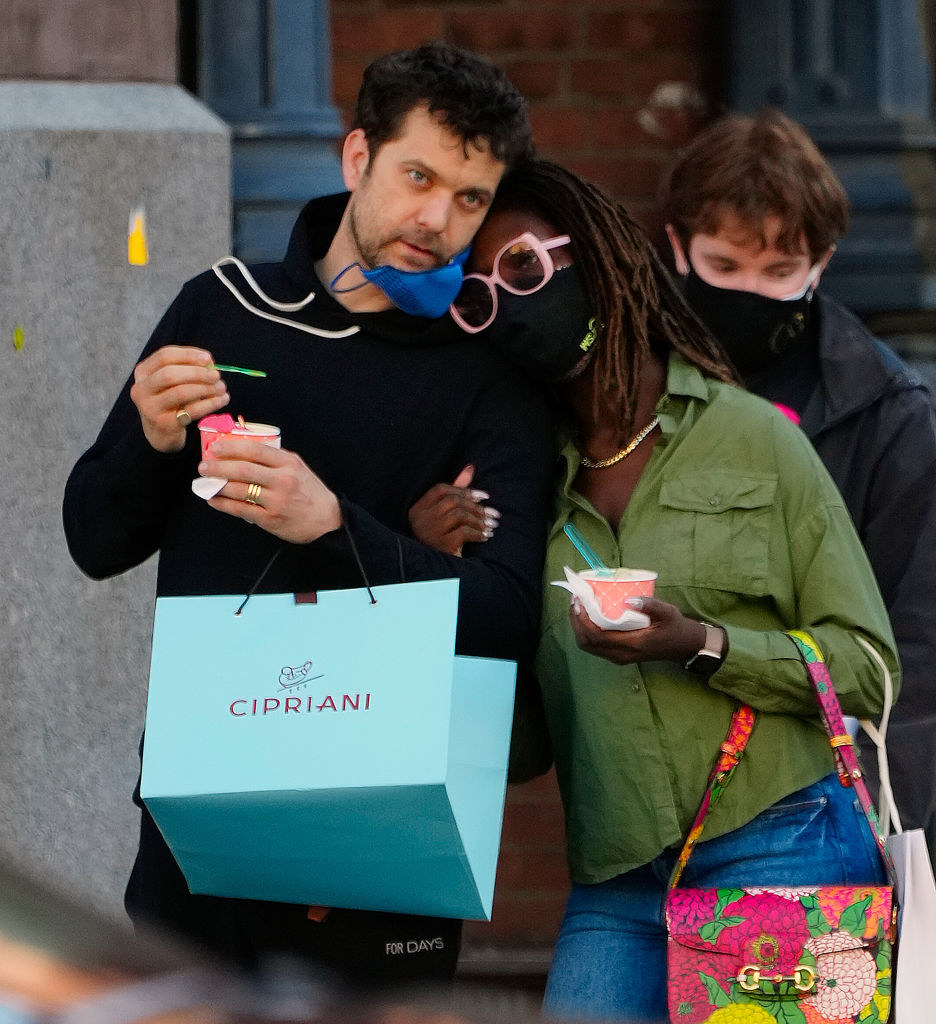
(380, 415)
(390, 406)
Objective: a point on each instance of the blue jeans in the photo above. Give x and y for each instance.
(610, 958)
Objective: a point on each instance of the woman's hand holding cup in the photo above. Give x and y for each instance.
(671, 636)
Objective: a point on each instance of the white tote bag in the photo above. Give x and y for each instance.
(916, 889)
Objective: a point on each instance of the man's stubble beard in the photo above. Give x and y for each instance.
(370, 253)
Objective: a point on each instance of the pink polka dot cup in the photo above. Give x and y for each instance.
(211, 429)
(612, 592)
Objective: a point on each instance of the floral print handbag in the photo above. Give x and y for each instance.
(808, 955)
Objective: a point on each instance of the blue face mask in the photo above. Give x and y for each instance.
(421, 292)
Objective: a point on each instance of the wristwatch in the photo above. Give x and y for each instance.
(712, 653)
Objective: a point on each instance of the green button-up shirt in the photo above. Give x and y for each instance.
(738, 516)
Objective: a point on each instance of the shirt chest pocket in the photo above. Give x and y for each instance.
(715, 530)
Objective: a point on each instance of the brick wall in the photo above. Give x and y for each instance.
(613, 86)
(532, 878)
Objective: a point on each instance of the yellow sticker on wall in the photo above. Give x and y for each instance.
(137, 249)
(18, 338)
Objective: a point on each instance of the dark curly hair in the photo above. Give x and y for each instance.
(634, 299)
(471, 97)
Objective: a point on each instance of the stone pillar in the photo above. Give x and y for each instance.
(856, 74)
(264, 66)
(75, 160)
(88, 40)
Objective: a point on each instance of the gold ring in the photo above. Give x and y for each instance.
(253, 494)
(183, 417)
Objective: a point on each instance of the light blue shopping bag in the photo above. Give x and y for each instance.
(334, 753)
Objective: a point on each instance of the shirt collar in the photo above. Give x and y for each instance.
(682, 382)
(685, 380)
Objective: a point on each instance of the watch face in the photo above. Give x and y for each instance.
(704, 663)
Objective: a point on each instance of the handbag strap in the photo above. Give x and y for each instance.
(843, 745)
(888, 814)
(729, 754)
(739, 732)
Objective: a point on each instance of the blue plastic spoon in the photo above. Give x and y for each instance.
(585, 550)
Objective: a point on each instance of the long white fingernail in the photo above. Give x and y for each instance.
(479, 495)
(488, 511)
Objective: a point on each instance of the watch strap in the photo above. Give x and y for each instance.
(712, 652)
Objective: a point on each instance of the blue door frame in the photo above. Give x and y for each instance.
(264, 67)
(856, 75)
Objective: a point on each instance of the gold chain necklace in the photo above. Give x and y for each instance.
(623, 453)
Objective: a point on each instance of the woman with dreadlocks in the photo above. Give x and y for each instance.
(668, 465)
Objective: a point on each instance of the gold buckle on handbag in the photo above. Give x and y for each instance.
(803, 978)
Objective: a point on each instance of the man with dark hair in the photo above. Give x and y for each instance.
(754, 212)
(444, 79)
(376, 399)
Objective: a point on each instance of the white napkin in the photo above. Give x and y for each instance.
(575, 585)
(207, 486)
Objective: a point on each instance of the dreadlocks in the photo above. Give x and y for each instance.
(636, 304)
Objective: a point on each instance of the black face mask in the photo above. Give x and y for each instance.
(754, 330)
(549, 332)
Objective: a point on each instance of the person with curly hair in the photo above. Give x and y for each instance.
(668, 465)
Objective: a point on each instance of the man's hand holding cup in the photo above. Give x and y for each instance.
(266, 486)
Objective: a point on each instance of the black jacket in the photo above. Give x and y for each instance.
(871, 420)
(380, 415)
(382, 406)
